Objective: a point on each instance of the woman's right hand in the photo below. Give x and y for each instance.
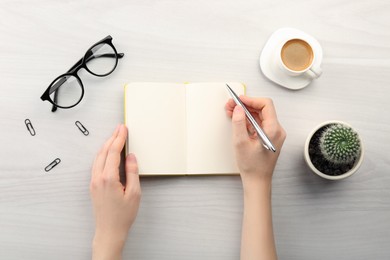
(255, 162)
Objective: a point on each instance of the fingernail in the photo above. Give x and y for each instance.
(237, 109)
(131, 157)
(121, 128)
(117, 128)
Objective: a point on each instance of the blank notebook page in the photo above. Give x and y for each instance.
(155, 117)
(209, 129)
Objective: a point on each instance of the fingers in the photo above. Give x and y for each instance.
(229, 107)
(100, 159)
(254, 105)
(268, 118)
(113, 160)
(263, 105)
(132, 178)
(240, 132)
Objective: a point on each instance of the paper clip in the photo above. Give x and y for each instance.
(29, 126)
(81, 128)
(52, 164)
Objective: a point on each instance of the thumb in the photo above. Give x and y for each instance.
(132, 177)
(240, 132)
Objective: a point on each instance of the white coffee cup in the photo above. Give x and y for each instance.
(297, 57)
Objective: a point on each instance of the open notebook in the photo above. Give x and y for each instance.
(180, 129)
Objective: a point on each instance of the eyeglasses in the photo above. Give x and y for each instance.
(99, 60)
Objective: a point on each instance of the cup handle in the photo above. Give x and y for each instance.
(314, 72)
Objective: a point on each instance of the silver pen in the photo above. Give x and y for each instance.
(266, 142)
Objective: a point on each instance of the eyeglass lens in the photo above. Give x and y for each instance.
(101, 59)
(69, 91)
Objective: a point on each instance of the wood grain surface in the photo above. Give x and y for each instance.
(48, 215)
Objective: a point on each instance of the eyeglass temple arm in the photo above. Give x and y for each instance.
(77, 64)
(55, 87)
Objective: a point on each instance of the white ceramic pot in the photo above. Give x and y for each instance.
(356, 166)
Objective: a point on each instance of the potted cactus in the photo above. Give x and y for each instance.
(334, 150)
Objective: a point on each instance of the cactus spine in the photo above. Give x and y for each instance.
(340, 144)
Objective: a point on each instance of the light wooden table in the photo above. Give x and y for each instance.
(48, 215)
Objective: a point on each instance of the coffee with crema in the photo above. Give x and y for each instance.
(297, 55)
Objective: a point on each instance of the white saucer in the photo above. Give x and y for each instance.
(269, 62)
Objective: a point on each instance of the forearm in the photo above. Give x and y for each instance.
(257, 240)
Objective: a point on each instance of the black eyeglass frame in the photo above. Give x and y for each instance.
(81, 64)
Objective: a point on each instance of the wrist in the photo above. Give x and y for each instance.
(256, 180)
(255, 188)
(106, 246)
